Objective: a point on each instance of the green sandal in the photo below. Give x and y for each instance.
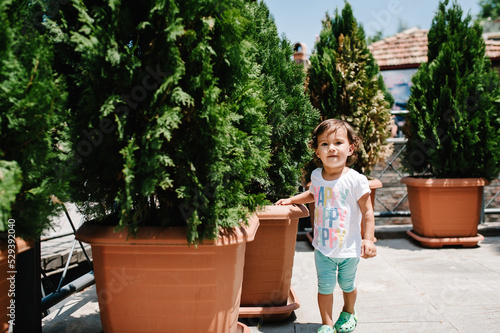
(326, 329)
(346, 323)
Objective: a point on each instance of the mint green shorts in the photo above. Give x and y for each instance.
(330, 270)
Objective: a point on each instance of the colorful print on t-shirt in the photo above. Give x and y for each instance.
(330, 216)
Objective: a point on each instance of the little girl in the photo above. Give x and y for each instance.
(342, 199)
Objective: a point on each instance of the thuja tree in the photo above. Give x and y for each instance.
(32, 102)
(167, 119)
(288, 109)
(453, 127)
(344, 83)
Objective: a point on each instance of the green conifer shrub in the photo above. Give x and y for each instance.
(288, 109)
(32, 101)
(167, 117)
(453, 127)
(343, 82)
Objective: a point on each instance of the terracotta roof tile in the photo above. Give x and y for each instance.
(409, 49)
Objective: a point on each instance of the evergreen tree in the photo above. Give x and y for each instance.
(453, 127)
(375, 38)
(288, 109)
(167, 117)
(489, 9)
(344, 83)
(32, 101)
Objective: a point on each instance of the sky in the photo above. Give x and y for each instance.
(300, 21)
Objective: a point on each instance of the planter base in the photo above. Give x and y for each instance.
(272, 313)
(440, 242)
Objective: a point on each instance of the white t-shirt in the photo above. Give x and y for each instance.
(337, 216)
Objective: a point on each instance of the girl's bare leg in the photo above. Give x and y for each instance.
(325, 303)
(349, 301)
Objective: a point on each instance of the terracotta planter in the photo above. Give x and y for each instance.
(155, 282)
(267, 275)
(21, 246)
(374, 185)
(445, 211)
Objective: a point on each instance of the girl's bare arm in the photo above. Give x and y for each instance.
(301, 198)
(368, 249)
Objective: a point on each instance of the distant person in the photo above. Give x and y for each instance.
(342, 199)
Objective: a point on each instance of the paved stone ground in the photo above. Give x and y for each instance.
(407, 288)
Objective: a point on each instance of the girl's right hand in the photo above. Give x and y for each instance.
(283, 202)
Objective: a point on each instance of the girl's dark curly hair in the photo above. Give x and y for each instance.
(331, 126)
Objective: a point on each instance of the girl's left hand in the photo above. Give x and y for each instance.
(368, 249)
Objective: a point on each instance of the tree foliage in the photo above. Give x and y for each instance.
(176, 109)
(32, 98)
(489, 9)
(453, 127)
(344, 82)
(288, 109)
(167, 117)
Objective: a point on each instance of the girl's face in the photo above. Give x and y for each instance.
(334, 148)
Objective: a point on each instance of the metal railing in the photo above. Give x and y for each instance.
(389, 165)
(63, 291)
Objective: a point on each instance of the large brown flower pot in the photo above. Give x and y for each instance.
(267, 275)
(374, 185)
(155, 282)
(7, 258)
(445, 211)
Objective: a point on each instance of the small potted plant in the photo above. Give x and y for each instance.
(31, 99)
(453, 132)
(267, 291)
(343, 82)
(166, 133)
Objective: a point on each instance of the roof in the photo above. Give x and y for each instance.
(408, 49)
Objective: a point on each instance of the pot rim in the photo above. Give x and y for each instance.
(444, 182)
(273, 212)
(375, 183)
(98, 234)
